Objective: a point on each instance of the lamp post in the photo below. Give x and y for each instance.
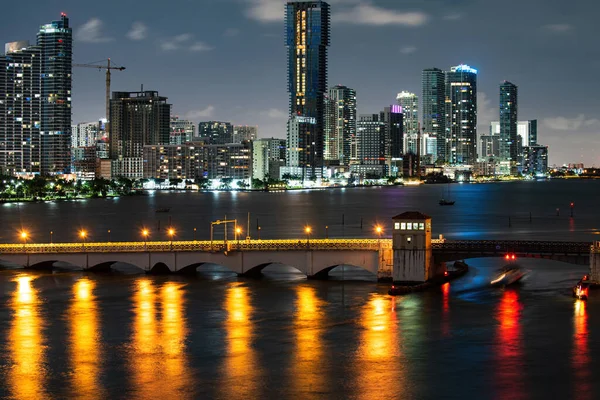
(145, 234)
(326, 231)
(83, 236)
(259, 233)
(308, 230)
(194, 234)
(379, 231)
(238, 232)
(171, 233)
(109, 236)
(51, 233)
(24, 236)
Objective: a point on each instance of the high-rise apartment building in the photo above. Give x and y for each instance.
(182, 131)
(85, 134)
(434, 113)
(410, 110)
(268, 156)
(340, 124)
(216, 132)
(173, 161)
(307, 38)
(35, 106)
(372, 138)
(138, 119)
(300, 131)
(244, 133)
(509, 146)
(461, 115)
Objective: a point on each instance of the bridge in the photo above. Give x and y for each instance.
(313, 257)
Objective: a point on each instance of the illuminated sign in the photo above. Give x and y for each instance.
(464, 68)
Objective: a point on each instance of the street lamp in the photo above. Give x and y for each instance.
(379, 231)
(194, 234)
(259, 233)
(24, 236)
(51, 233)
(145, 234)
(308, 230)
(326, 231)
(83, 236)
(109, 236)
(171, 233)
(238, 232)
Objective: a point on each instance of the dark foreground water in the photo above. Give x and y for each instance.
(86, 336)
(214, 336)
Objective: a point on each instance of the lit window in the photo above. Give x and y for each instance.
(409, 226)
(403, 226)
(397, 225)
(421, 226)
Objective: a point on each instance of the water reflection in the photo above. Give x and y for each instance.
(379, 362)
(509, 350)
(241, 369)
(446, 309)
(580, 359)
(25, 343)
(85, 341)
(158, 359)
(307, 372)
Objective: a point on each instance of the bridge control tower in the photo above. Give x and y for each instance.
(413, 258)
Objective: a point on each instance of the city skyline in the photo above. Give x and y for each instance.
(252, 38)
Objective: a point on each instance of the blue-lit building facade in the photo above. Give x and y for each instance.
(307, 38)
(35, 103)
(461, 115)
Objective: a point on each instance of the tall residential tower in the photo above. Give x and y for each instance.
(307, 39)
(461, 115)
(509, 146)
(410, 108)
(433, 110)
(340, 124)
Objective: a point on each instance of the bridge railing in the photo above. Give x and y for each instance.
(215, 246)
(517, 246)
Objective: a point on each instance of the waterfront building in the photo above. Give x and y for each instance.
(307, 38)
(84, 162)
(461, 115)
(410, 112)
(300, 147)
(232, 160)
(173, 161)
(509, 145)
(535, 160)
(340, 124)
(490, 146)
(372, 134)
(216, 132)
(268, 156)
(434, 123)
(35, 110)
(138, 119)
(127, 167)
(182, 131)
(85, 134)
(243, 133)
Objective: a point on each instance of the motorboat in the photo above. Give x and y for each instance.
(444, 202)
(581, 290)
(508, 275)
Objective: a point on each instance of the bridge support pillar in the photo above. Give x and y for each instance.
(385, 264)
(412, 252)
(595, 263)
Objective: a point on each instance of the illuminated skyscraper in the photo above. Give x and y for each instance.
(35, 110)
(461, 115)
(509, 145)
(307, 38)
(433, 111)
(340, 124)
(410, 111)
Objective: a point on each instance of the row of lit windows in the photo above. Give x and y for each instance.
(409, 226)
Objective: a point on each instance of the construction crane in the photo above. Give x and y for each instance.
(108, 67)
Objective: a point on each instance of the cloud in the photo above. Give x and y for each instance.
(557, 28)
(90, 32)
(138, 31)
(231, 32)
(570, 124)
(182, 42)
(198, 114)
(408, 49)
(452, 17)
(266, 10)
(199, 46)
(368, 14)
(486, 113)
(275, 113)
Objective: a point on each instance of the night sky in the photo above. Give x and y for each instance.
(226, 59)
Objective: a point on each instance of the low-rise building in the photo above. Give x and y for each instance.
(173, 162)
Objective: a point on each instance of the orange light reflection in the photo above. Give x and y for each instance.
(241, 369)
(306, 372)
(446, 309)
(85, 344)
(379, 359)
(25, 343)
